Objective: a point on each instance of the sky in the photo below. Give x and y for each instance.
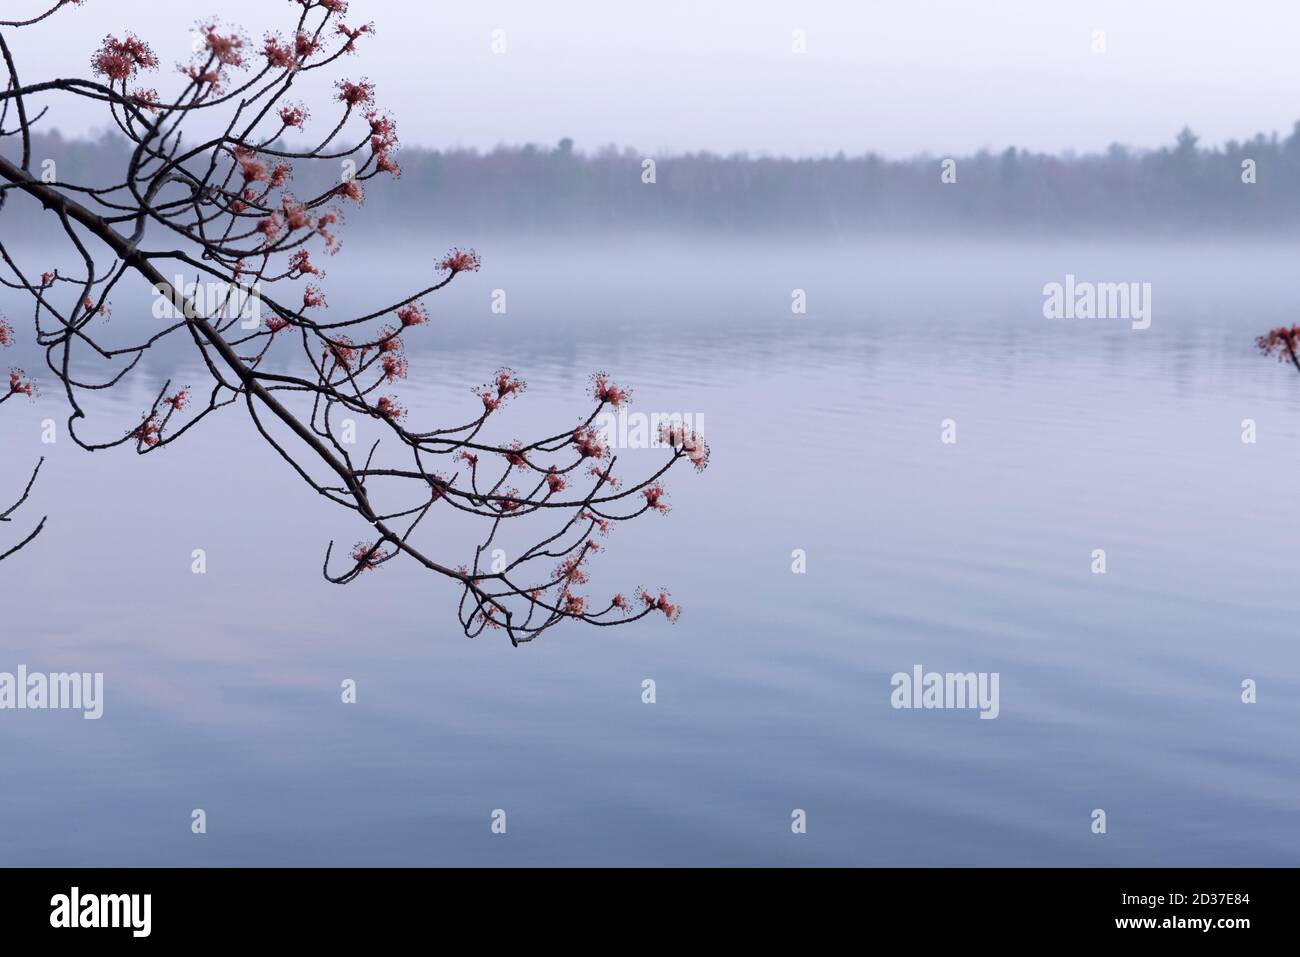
(897, 78)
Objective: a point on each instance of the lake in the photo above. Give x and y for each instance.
(1119, 691)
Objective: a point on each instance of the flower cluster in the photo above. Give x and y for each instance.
(605, 391)
(383, 140)
(352, 35)
(654, 498)
(691, 443)
(355, 94)
(501, 388)
(367, 556)
(1282, 341)
(460, 260)
(412, 314)
(661, 603)
(589, 443)
(122, 59)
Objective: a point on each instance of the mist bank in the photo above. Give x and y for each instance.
(1249, 187)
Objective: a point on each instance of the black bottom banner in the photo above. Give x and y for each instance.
(337, 906)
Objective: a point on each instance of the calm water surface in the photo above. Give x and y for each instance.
(1118, 691)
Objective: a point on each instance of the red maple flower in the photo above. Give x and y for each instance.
(412, 314)
(696, 449)
(387, 407)
(270, 227)
(606, 391)
(383, 128)
(589, 443)
(147, 432)
(19, 384)
(516, 457)
(251, 168)
(394, 367)
(342, 350)
(300, 264)
(355, 94)
(661, 603)
(1282, 341)
(460, 260)
(295, 214)
(654, 498)
(228, 49)
(294, 115)
(504, 386)
(146, 99)
(278, 53)
(121, 59)
(352, 34)
(312, 297)
(367, 556)
(210, 78)
(304, 45)
(600, 523)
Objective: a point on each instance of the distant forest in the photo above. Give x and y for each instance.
(1181, 189)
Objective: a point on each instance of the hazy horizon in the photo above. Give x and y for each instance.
(593, 150)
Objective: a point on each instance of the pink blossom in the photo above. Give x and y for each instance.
(654, 498)
(460, 260)
(355, 94)
(412, 314)
(661, 603)
(588, 443)
(19, 384)
(394, 367)
(293, 115)
(120, 59)
(606, 391)
(300, 264)
(367, 556)
(352, 34)
(278, 53)
(227, 49)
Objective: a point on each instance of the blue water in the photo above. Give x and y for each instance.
(1118, 691)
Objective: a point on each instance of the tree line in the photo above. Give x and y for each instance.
(1248, 186)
